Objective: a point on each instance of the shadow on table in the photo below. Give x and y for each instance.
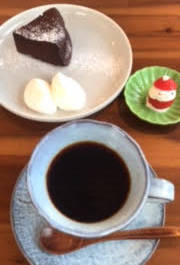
(133, 121)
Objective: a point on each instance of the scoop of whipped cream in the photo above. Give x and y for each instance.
(67, 93)
(64, 92)
(38, 97)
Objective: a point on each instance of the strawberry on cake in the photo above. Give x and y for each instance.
(162, 94)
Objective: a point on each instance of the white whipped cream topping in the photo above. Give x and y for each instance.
(37, 96)
(67, 93)
(162, 95)
(165, 77)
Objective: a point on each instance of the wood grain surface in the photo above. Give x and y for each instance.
(153, 27)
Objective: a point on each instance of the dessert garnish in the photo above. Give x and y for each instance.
(162, 94)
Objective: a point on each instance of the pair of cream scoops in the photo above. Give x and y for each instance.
(64, 93)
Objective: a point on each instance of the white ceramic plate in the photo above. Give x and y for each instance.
(101, 61)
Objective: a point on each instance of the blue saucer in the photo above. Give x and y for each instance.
(26, 223)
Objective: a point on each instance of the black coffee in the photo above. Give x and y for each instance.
(88, 182)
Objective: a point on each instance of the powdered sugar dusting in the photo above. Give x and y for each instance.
(15, 62)
(47, 27)
(52, 35)
(82, 62)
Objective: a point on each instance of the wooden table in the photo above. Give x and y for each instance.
(153, 29)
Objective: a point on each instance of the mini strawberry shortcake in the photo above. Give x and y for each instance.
(162, 94)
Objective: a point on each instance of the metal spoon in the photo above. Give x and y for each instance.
(56, 242)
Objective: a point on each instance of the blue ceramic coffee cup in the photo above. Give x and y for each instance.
(142, 185)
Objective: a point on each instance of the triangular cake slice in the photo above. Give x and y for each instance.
(45, 38)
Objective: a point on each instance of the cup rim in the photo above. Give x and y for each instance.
(107, 230)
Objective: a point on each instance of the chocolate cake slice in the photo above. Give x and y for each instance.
(45, 38)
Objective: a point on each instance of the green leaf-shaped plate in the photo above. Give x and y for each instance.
(137, 89)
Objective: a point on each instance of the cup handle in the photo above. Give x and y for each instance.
(161, 190)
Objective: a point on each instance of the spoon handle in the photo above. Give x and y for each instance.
(56, 242)
(146, 233)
